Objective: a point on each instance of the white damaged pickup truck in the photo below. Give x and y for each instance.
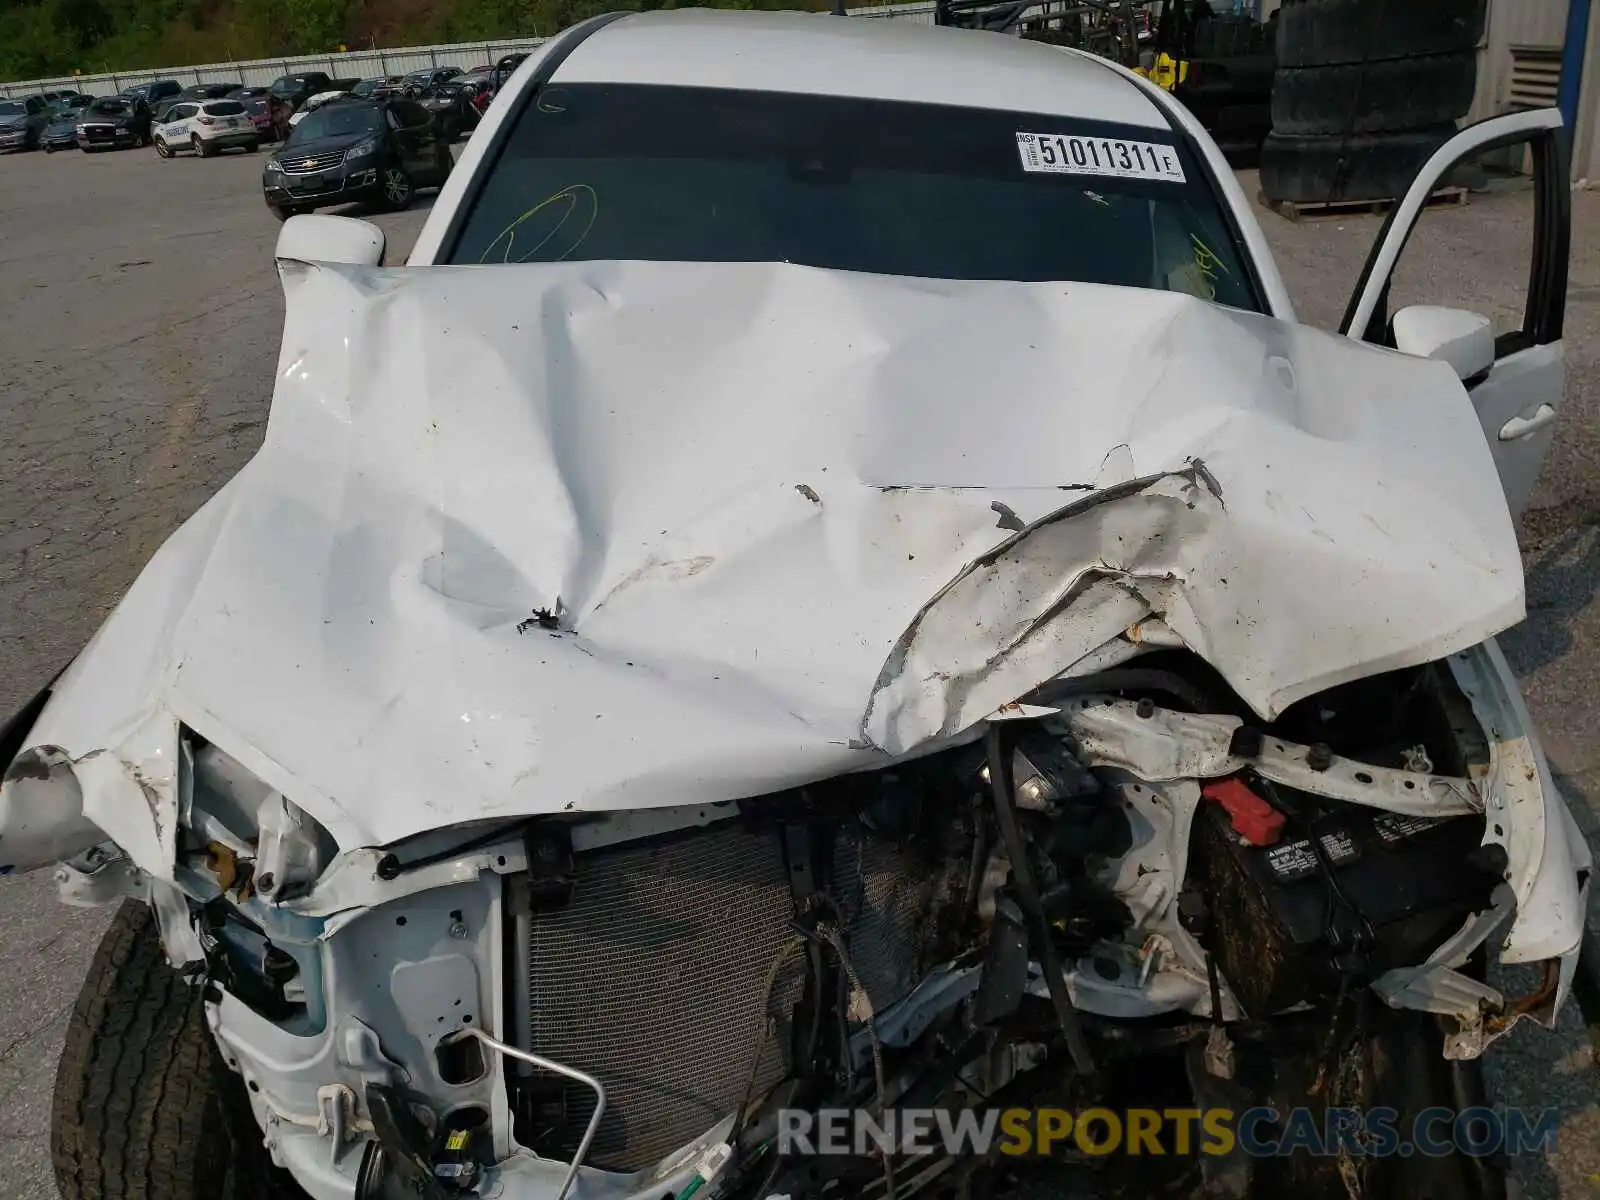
(640, 691)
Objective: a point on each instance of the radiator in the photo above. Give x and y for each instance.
(651, 979)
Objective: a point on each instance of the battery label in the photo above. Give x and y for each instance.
(1397, 827)
(1340, 847)
(1294, 860)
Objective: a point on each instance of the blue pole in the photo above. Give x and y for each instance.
(1572, 54)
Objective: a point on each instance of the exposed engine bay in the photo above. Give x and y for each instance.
(545, 816)
(1127, 891)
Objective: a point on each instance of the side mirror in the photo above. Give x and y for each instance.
(313, 238)
(1463, 339)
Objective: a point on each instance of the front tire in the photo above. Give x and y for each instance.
(398, 190)
(144, 1107)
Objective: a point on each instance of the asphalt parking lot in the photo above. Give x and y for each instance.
(140, 331)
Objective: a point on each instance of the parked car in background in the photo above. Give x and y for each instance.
(62, 131)
(22, 121)
(114, 123)
(480, 81)
(61, 94)
(261, 118)
(357, 151)
(289, 92)
(452, 104)
(389, 85)
(210, 91)
(153, 93)
(253, 92)
(418, 82)
(298, 88)
(311, 106)
(70, 102)
(507, 67)
(206, 127)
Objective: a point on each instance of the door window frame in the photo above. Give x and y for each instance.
(1544, 310)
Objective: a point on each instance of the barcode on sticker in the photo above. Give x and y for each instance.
(1070, 154)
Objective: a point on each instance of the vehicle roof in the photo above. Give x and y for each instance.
(350, 100)
(815, 54)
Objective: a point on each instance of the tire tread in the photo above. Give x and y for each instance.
(144, 1108)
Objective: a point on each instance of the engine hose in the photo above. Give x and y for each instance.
(996, 744)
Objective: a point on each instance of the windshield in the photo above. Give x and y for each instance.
(10, 108)
(286, 85)
(615, 171)
(108, 108)
(335, 120)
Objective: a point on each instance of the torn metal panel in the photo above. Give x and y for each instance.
(1526, 814)
(41, 810)
(733, 489)
(1159, 744)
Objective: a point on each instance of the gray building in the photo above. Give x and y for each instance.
(1541, 52)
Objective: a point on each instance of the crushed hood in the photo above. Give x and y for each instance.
(614, 535)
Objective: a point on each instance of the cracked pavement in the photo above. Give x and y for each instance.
(136, 361)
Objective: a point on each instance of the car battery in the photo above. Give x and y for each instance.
(1372, 891)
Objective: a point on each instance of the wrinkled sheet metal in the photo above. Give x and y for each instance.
(600, 536)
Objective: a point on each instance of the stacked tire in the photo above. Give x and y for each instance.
(1365, 91)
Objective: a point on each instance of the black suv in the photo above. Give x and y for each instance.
(153, 93)
(357, 151)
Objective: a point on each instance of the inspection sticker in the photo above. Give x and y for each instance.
(1069, 154)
